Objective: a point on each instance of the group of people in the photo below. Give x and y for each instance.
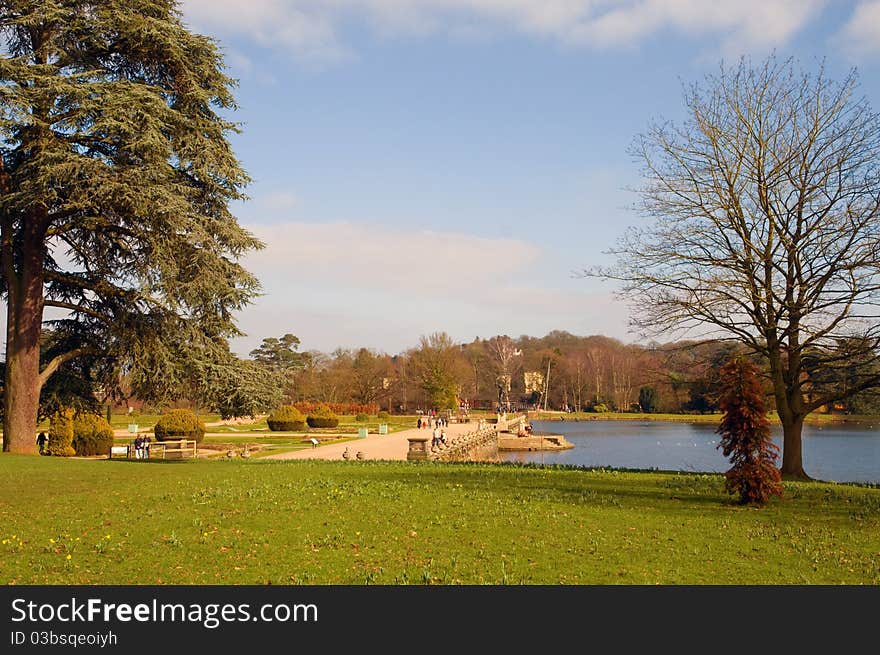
(432, 422)
(142, 447)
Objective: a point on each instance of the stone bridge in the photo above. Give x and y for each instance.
(479, 444)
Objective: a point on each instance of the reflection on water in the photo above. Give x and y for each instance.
(843, 453)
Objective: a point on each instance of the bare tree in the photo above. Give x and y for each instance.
(504, 356)
(595, 359)
(765, 229)
(576, 372)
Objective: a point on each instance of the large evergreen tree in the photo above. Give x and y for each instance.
(115, 182)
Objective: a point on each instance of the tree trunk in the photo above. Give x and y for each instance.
(792, 461)
(24, 319)
(22, 383)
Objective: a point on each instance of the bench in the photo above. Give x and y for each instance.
(177, 449)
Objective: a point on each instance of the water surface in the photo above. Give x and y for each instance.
(840, 452)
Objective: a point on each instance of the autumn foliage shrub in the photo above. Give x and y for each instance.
(745, 435)
(286, 418)
(322, 417)
(92, 435)
(179, 424)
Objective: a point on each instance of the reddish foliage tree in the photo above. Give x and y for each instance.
(745, 435)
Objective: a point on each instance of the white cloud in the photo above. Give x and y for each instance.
(355, 284)
(744, 25)
(364, 257)
(296, 26)
(861, 35)
(312, 28)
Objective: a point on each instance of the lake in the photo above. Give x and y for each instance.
(840, 453)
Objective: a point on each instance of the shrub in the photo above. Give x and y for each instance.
(362, 418)
(383, 415)
(61, 434)
(286, 418)
(322, 417)
(179, 424)
(745, 435)
(600, 408)
(92, 435)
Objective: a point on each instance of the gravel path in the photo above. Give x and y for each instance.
(392, 446)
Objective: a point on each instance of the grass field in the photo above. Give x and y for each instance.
(301, 522)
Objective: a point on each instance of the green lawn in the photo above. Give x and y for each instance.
(308, 522)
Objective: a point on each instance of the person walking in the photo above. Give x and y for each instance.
(41, 442)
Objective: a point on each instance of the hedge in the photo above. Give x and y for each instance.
(179, 424)
(286, 418)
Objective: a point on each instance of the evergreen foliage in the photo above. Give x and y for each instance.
(286, 418)
(92, 435)
(179, 424)
(648, 399)
(322, 417)
(280, 352)
(116, 175)
(745, 435)
(61, 434)
(239, 387)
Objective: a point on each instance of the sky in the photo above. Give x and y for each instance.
(450, 165)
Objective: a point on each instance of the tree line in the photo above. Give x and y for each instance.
(559, 371)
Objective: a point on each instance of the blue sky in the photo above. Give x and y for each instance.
(428, 165)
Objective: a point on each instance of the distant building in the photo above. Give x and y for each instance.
(533, 381)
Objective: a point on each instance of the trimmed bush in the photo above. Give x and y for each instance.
(362, 418)
(322, 417)
(61, 434)
(601, 408)
(179, 424)
(383, 415)
(286, 418)
(92, 435)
